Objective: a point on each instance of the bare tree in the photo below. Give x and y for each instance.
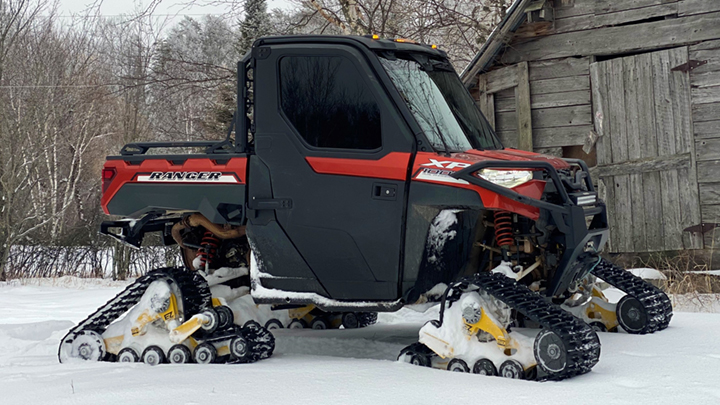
(16, 18)
(458, 26)
(56, 113)
(192, 81)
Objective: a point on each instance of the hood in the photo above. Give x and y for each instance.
(474, 156)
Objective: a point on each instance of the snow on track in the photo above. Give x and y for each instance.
(346, 367)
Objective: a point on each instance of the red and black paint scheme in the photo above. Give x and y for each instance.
(133, 187)
(354, 224)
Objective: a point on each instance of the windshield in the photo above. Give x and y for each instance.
(445, 111)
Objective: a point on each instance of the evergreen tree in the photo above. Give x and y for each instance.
(255, 25)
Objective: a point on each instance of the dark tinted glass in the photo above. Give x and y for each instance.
(327, 101)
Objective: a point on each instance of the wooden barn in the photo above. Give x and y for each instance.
(632, 87)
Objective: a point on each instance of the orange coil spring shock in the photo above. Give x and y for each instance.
(503, 228)
(209, 244)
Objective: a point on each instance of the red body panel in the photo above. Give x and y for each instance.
(235, 170)
(392, 166)
(512, 154)
(435, 168)
(428, 167)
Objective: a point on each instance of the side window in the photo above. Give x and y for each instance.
(328, 103)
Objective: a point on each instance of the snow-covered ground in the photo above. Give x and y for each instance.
(675, 366)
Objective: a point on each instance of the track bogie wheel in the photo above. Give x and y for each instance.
(550, 352)
(415, 354)
(485, 367)
(631, 315)
(179, 354)
(512, 369)
(273, 324)
(320, 323)
(420, 359)
(213, 321)
(297, 324)
(128, 355)
(205, 353)
(226, 317)
(350, 320)
(598, 326)
(252, 324)
(153, 355)
(239, 347)
(458, 365)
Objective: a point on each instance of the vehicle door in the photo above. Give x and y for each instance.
(337, 152)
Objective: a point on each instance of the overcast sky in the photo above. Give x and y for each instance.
(114, 7)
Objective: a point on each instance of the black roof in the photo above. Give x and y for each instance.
(368, 41)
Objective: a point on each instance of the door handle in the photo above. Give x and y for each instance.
(384, 191)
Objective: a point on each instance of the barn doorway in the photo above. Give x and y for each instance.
(645, 153)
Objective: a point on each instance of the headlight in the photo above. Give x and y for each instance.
(506, 178)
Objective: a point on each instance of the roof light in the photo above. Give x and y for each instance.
(433, 46)
(376, 36)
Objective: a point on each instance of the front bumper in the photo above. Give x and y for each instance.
(578, 214)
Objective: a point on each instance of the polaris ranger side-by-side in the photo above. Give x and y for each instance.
(362, 178)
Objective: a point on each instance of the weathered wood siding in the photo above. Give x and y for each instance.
(660, 156)
(560, 99)
(705, 81)
(604, 27)
(506, 117)
(645, 152)
(559, 102)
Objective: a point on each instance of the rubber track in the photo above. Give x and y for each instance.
(656, 303)
(366, 319)
(196, 297)
(580, 340)
(261, 342)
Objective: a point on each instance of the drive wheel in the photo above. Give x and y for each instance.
(213, 321)
(273, 324)
(631, 315)
(550, 351)
(320, 323)
(205, 353)
(297, 324)
(239, 347)
(484, 367)
(458, 366)
(153, 356)
(179, 354)
(128, 355)
(86, 345)
(350, 320)
(512, 369)
(225, 316)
